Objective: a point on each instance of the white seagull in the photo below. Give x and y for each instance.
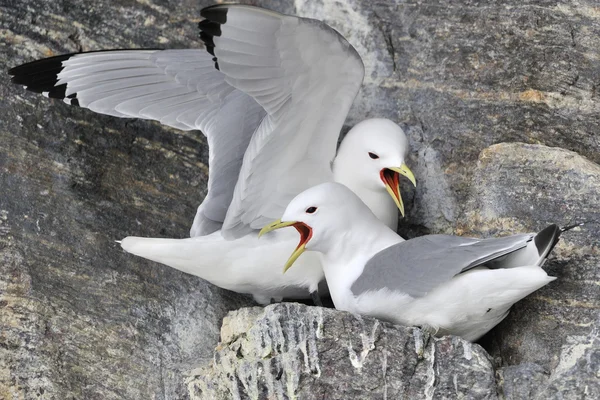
(445, 284)
(271, 93)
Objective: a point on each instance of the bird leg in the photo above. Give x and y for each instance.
(316, 298)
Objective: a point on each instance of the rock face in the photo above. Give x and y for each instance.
(290, 351)
(465, 75)
(80, 319)
(548, 347)
(553, 336)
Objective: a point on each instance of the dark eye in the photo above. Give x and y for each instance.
(311, 210)
(373, 156)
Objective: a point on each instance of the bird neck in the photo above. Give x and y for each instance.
(375, 197)
(366, 237)
(344, 260)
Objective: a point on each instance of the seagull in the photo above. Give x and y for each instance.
(445, 284)
(271, 93)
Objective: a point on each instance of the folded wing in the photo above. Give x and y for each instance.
(419, 265)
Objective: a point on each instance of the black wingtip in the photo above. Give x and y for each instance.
(210, 27)
(216, 13)
(39, 66)
(58, 92)
(546, 239)
(207, 39)
(41, 76)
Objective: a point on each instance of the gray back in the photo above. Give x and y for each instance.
(419, 265)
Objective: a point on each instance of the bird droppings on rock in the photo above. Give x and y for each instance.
(368, 344)
(389, 361)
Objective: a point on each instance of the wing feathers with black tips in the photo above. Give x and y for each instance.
(179, 88)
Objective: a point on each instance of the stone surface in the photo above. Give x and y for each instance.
(289, 351)
(463, 75)
(552, 336)
(80, 319)
(521, 381)
(548, 347)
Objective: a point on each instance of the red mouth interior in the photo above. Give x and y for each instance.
(392, 179)
(305, 232)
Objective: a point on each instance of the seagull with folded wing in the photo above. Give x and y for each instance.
(447, 284)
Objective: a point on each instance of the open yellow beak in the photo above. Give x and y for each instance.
(274, 225)
(405, 171)
(392, 183)
(305, 235)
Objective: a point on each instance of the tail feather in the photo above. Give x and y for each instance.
(546, 239)
(569, 227)
(181, 254)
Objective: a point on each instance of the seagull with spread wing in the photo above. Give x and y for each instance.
(448, 284)
(271, 93)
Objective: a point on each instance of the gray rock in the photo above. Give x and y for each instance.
(294, 351)
(465, 75)
(519, 188)
(79, 318)
(521, 381)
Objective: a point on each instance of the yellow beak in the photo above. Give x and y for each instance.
(275, 225)
(299, 250)
(405, 171)
(393, 186)
(301, 246)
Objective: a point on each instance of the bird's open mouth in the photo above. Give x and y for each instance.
(304, 230)
(391, 180)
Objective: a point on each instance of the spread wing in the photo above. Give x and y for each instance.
(178, 88)
(419, 265)
(306, 76)
(272, 109)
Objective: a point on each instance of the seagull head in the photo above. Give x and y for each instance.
(323, 215)
(372, 157)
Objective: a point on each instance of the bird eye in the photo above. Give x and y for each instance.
(373, 156)
(311, 210)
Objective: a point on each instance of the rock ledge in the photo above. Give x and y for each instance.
(290, 350)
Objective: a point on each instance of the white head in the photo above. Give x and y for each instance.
(322, 215)
(372, 157)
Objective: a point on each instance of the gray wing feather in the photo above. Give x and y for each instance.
(178, 88)
(419, 265)
(295, 80)
(305, 76)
